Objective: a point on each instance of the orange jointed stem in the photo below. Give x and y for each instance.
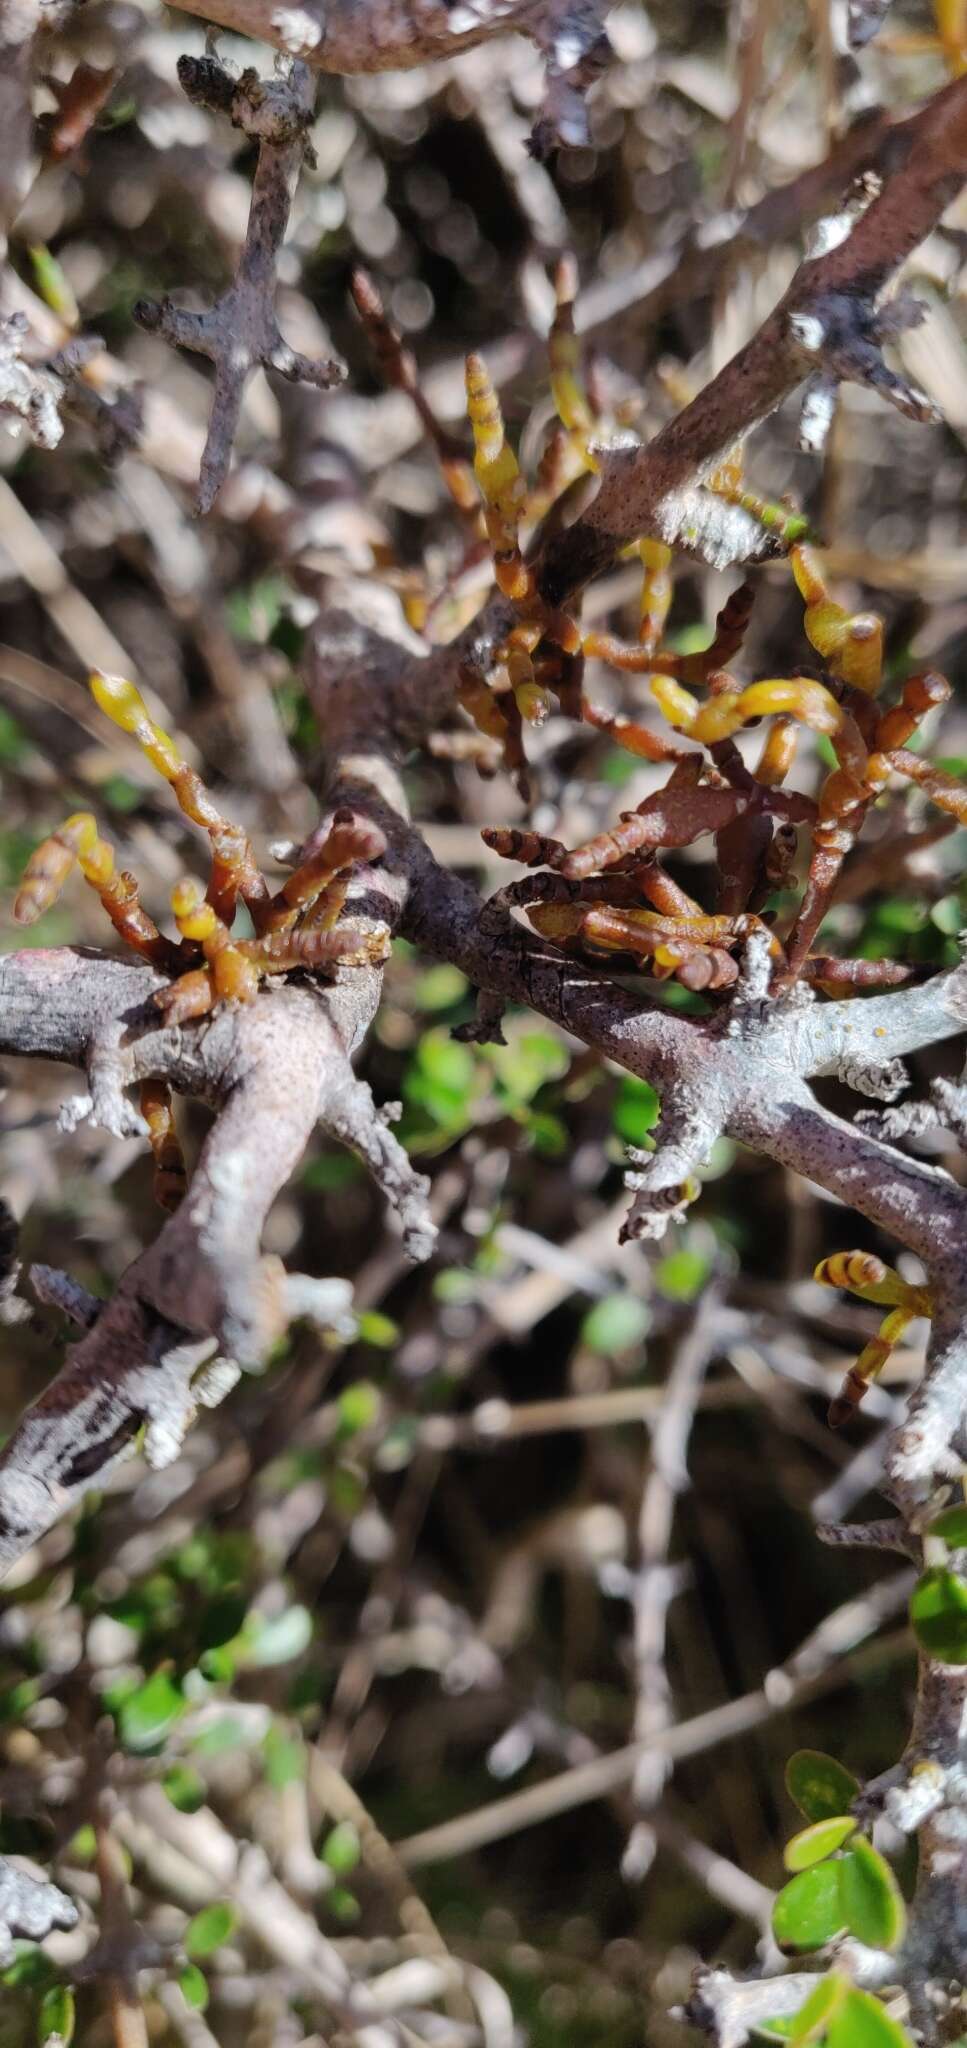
(49, 867)
(170, 1172)
(234, 870)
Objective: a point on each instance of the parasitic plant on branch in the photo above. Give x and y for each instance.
(508, 608)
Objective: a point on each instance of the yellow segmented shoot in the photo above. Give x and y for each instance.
(863, 1274)
(498, 475)
(850, 642)
(233, 977)
(656, 593)
(234, 870)
(77, 842)
(791, 697)
(567, 388)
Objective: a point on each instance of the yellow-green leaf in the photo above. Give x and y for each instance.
(209, 1928)
(812, 2019)
(55, 2020)
(823, 1838)
(862, 2022)
(194, 1987)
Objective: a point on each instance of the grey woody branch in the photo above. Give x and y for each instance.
(352, 36)
(833, 300)
(239, 333)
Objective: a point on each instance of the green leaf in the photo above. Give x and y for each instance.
(358, 1407)
(948, 915)
(547, 1133)
(55, 2020)
(938, 1611)
(344, 1904)
(809, 1909)
(527, 1063)
(284, 1759)
(378, 1330)
(341, 1848)
(145, 1717)
(616, 1324)
(861, 2022)
(820, 1787)
(872, 1899)
(209, 1929)
(821, 1838)
(53, 285)
(439, 988)
(683, 1274)
(636, 1109)
(279, 1640)
(184, 1788)
(951, 1526)
(812, 2019)
(194, 1988)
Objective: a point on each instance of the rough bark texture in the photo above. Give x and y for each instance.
(277, 1068)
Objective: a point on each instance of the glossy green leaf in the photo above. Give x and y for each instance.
(938, 1611)
(194, 1987)
(951, 1526)
(872, 1899)
(341, 1848)
(821, 1838)
(809, 1909)
(810, 2022)
(820, 1787)
(358, 1406)
(55, 2020)
(862, 2022)
(184, 1788)
(145, 1717)
(616, 1324)
(209, 1929)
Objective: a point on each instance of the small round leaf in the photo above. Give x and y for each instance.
(813, 2018)
(55, 2020)
(952, 1527)
(862, 2022)
(938, 1611)
(821, 1839)
(340, 1850)
(194, 1987)
(872, 1899)
(809, 1909)
(820, 1787)
(209, 1928)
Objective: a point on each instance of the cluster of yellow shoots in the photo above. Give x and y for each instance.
(297, 927)
(612, 895)
(619, 898)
